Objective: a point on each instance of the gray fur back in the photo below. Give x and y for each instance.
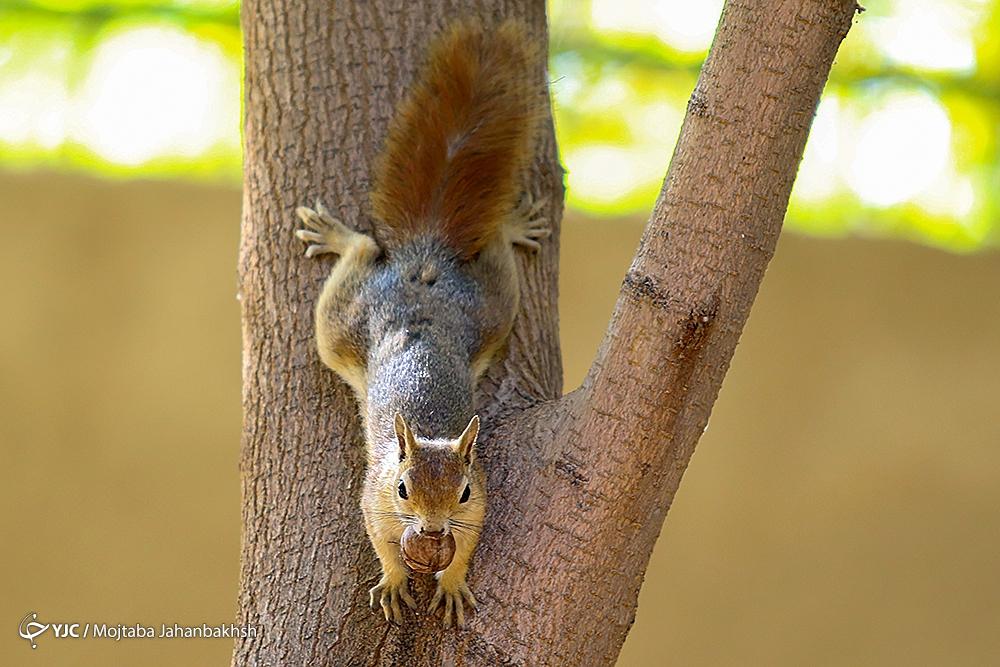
(422, 333)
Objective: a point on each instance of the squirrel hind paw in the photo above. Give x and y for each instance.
(317, 242)
(527, 226)
(326, 234)
(530, 236)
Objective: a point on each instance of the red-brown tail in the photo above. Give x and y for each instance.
(456, 150)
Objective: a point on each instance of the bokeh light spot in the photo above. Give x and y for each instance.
(154, 91)
(928, 34)
(900, 150)
(685, 25)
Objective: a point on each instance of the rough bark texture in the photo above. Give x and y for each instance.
(578, 485)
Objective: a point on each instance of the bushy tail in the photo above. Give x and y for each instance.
(456, 150)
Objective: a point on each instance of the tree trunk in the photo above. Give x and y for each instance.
(579, 485)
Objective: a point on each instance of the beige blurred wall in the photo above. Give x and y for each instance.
(842, 509)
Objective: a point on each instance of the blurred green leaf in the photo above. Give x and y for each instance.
(904, 145)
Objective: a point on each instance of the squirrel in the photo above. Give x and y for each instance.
(412, 316)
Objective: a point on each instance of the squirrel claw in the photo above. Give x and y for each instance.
(388, 596)
(318, 219)
(453, 600)
(528, 226)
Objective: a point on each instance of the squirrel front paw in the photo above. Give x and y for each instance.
(527, 227)
(388, 593)
(454, 595)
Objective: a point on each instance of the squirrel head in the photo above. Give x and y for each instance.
(436, 487)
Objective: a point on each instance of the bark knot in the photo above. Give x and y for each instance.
(697, 105)
(699, 323)
(571, 470)
(643, 287)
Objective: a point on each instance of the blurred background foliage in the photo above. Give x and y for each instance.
(904, 143)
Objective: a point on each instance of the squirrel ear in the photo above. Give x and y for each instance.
(404, 436)
(467, 440)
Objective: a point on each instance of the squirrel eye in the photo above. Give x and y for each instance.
(465, 494)
(402, 490)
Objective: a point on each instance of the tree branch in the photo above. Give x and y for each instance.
(689, 290)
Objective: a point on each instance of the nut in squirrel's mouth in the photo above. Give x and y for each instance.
(426, 552)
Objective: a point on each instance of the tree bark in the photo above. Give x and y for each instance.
(579, 485)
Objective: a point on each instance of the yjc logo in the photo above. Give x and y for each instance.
(31, 629)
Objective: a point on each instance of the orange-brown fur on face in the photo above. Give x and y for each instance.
(460, 141)
(434, 474)
(436, 477)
